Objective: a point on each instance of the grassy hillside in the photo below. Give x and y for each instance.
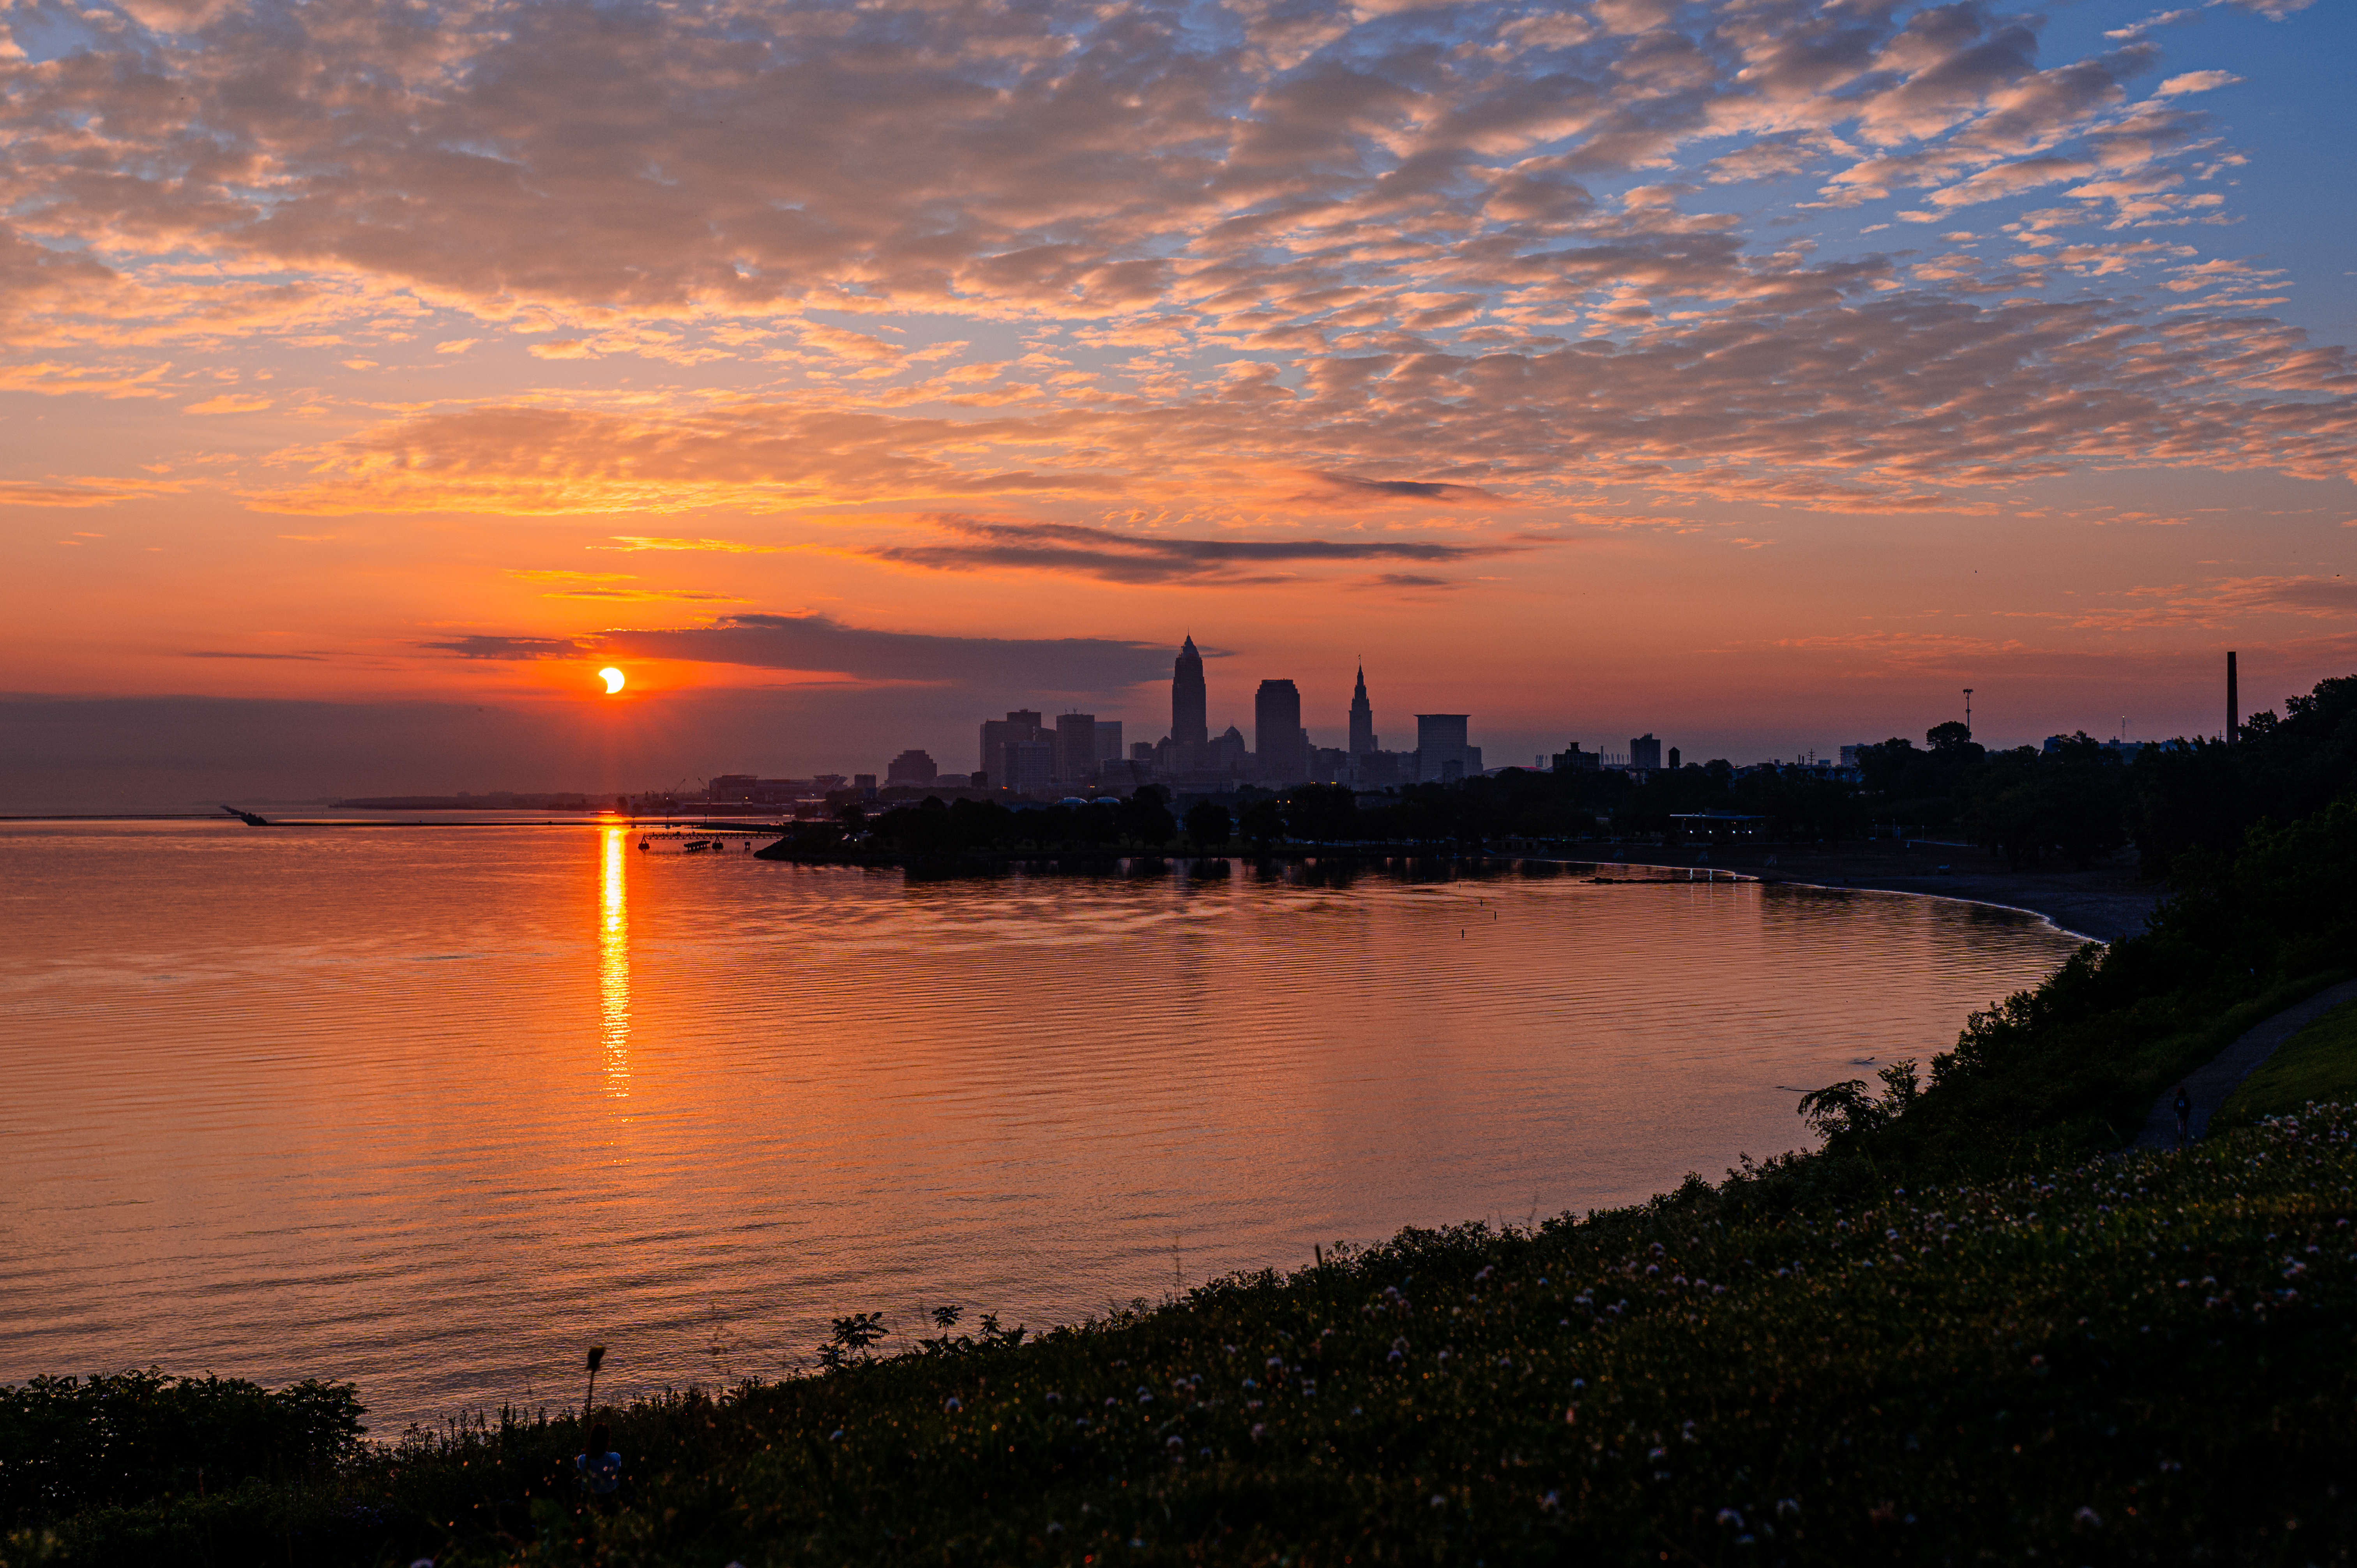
(2319, 1063)
(2138, 1359)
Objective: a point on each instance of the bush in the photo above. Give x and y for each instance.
(68, 1445)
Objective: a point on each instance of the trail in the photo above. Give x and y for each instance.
(2212, 1082)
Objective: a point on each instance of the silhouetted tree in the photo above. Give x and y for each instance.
(1261, 822)
(1321, 812)
(1208, 824)
(1146, 816)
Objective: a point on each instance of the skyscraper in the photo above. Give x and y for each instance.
(1362, 718)
(1280, 746)
(1189, 729)
(1644, 751)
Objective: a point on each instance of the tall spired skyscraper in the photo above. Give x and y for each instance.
(1189, 729)
(1362, 718)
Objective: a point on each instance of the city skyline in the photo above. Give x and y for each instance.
(1757, 375)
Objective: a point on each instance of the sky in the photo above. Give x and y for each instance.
(1758, 375)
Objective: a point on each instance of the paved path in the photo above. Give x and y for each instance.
(2214, 1081)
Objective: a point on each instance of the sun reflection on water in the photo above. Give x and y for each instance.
(614, 963)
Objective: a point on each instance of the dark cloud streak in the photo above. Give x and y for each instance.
(1111, 556)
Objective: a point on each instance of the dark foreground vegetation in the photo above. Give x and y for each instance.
(2140, 1360)
(1968, 1331)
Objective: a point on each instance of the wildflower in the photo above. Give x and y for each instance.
(835, 1436)
(1053, 1528)
(1571, 1416)
(1728, 1516)
(1258, 1427)
(1055, 1398)
(1438, 1501)
(1552, 1501)
(2089, 1517)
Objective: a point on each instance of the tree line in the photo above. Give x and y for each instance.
(2075, 803)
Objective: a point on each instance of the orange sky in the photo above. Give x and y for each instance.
(1756, 375)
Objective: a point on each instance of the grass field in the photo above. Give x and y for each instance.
(2318, 1064)
(2136, 1360)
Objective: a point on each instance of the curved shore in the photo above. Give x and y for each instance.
(2103, 904)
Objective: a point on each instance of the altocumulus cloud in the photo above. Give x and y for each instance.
(1379, 242)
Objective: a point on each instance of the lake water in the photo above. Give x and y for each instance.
(431, 1109)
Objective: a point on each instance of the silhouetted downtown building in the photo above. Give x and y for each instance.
(1362, 717)
(1441, 755)
(1189, 723)
(998, 735)
(1076, 747)
(911, 767)
(1281, 746)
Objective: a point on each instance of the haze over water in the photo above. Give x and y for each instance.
(431, 1110)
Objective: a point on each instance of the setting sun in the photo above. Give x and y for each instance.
(613, 679)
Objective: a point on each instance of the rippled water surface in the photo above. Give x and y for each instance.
(432, 1108)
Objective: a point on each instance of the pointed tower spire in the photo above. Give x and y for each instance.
(1189, 730)
(1363, 717)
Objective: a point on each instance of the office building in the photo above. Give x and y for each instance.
(1108, 747)
(1021, 725)
(1190, 726)
(1442, 756)
(1076, 747)
(1645, 751)
(1362, 718)
(1281, 746)
(1029, 768)
(1571, 759)
(911, 767)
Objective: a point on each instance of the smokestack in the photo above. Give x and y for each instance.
(2233, 702)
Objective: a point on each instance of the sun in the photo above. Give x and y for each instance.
(613, 678)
